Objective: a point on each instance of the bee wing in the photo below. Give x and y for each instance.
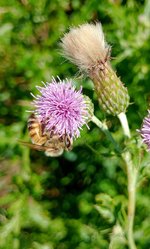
(33, 146)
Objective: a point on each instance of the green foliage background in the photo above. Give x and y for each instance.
(78, 200)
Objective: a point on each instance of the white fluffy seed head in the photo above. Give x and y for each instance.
(85, 46)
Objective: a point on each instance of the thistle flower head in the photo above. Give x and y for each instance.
(85, 45)
(145, 130)
(61, 108)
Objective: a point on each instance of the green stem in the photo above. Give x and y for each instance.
(132, 177)
(104, 128)
(124, 123)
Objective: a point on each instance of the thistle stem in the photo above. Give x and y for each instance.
(124, 123)
(132, 177)
(105, 129)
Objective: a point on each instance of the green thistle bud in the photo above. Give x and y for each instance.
(112, 95)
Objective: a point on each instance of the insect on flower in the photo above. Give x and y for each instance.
(52, 144)
(60, 112)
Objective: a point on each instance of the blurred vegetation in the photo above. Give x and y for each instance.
(80, 199)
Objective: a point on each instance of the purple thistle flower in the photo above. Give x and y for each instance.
(61, 108)
(145, 130)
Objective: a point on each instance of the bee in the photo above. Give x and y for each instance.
(52, 144)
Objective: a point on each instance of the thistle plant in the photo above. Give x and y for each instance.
(64, 110)
(85, 46)
(85, 182)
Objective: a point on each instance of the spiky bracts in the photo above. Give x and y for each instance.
(112, 95)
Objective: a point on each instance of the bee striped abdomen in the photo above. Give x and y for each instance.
(35, 130)
(43, 140)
